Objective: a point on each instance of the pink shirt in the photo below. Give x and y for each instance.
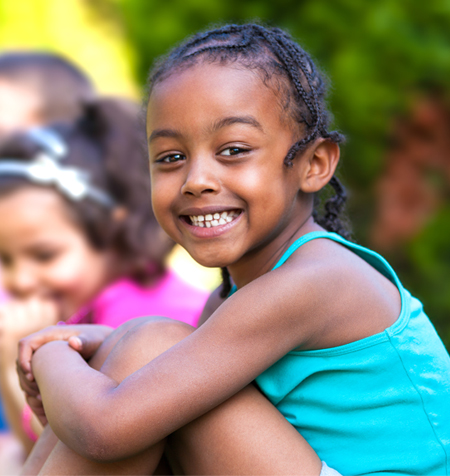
(125, 299)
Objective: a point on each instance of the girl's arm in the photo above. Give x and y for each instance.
(211, 305)
(85, 338)
(251, 330)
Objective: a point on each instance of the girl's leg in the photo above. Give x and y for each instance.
(244, 435)
(47, 441)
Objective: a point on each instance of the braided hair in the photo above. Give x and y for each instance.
(283, 63)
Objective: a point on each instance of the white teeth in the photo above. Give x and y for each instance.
(212, 220)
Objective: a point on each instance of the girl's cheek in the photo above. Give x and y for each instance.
(72, 272)
(161, 202)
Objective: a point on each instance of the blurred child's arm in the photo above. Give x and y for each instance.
(213, 302)
(39, 453)
(17, 319)
(249, 332)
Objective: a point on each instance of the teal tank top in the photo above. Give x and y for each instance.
(377, 405)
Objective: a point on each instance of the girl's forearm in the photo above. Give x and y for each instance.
(156, 393)
(73, 393)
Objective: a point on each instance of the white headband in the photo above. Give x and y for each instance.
(45, 169)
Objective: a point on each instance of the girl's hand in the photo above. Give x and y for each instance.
(35, 404)
(85, 339)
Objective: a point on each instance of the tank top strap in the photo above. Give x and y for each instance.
(371, 257)
(301, 241)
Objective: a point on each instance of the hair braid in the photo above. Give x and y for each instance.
(226, 283)
(333, 209)
(271, 52)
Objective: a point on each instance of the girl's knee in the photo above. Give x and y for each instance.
(147, 326)
(142, 342)
(157, 334)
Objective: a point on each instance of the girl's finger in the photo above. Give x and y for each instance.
(30, 388)
(36, 406)
(76, 343)
(86, 344)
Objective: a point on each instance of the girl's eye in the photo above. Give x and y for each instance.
(5, 260)
(233, 151)
(169, 159)
(45, 256)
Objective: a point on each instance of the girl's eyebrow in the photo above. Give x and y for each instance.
(224, 122)
(228, 121)
(163, 133)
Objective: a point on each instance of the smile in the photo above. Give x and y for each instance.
(212, 220)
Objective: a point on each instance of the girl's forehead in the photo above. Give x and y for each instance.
(31, 207)
(209, 90)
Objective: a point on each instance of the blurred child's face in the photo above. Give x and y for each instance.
(19, 107)
(43, 253)
(217, 143)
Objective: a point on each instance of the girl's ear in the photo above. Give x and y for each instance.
(319, 165)
(119, 213)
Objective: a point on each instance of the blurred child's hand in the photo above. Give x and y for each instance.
(85, 339)
(18, 318)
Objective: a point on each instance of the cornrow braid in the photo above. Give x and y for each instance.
(334, 207)
(277, 57)
(226, 283)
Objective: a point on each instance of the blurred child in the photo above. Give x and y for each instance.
(39, 88)
(36, 88)
(78, 240)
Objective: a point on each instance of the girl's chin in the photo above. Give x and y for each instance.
(209, 261)
(66, 310)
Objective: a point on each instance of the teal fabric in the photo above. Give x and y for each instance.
(378, 405)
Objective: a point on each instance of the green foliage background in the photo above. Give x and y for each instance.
(378, 54)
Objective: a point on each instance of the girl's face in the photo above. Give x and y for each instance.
(20, 107)
(217, 142)
(44, 254)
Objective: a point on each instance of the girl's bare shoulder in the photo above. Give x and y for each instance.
(343, 297)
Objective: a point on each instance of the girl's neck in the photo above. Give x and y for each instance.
(262, 259)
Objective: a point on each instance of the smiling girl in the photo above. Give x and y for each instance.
(317, 354)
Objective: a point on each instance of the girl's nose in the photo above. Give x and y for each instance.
(201, 178)
(19, 280)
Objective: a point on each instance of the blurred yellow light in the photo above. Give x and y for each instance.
(70, 27)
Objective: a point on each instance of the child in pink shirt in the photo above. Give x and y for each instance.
(125, 299)
(78, 240)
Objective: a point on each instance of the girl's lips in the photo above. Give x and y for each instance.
(209, 225)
